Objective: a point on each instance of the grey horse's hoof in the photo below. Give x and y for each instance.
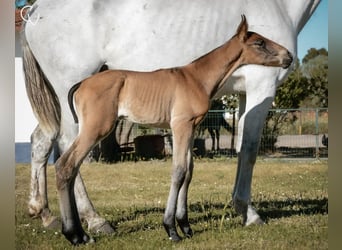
(52, 222)
(106, 228)
(100, 225)
(252, 217)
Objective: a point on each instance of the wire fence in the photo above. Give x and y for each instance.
(287, 133)
(296, 133)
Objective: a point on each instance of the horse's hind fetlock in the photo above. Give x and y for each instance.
(41, 147)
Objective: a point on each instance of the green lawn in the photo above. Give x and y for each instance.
(291, 196)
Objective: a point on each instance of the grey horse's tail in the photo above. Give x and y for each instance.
(43, 99)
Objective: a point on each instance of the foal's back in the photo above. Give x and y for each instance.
(142, 97)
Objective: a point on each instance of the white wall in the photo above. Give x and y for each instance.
(25, 121)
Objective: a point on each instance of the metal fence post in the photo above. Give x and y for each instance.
(317, 133)
(300, 122)
(233, 135)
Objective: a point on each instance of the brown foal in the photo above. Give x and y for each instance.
(178, 98)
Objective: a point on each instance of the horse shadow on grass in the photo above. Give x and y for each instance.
(272, 209)
(290, 207)
(139, 219)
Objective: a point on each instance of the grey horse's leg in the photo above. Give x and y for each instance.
(182, 136)
(41, 147)
(87, 211)
(246, 160)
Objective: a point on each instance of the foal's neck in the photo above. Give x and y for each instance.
(213, 69)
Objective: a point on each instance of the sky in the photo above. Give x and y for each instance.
(315, 32)
(313, 35)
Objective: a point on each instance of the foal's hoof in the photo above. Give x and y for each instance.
(174, 237)
(187, 231)
(78, 239)
(172, 233)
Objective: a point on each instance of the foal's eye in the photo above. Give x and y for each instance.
(259, 42)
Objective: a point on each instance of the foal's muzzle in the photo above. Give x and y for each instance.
(287, 60)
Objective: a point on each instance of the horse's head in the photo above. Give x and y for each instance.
(257, 49)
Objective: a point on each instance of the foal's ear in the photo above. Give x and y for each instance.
(242, 29)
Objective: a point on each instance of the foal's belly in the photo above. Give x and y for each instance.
(145, 116)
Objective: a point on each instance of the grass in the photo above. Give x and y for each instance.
(291, 196)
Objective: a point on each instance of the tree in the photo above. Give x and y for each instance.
(306, 86)
(315, 69)
(293, 90)
(312, 53)
(288, 96)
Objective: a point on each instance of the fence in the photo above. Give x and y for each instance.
(286, 133)
(296, 133)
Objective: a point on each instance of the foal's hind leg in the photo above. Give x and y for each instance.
(67, 168)
(85, 207)
(41, 147)
(96, 124)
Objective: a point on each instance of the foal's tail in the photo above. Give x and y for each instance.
(71, 100)
(73, 89)
(43, 99)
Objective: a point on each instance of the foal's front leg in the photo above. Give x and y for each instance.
(182, 204)
(181, 176)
